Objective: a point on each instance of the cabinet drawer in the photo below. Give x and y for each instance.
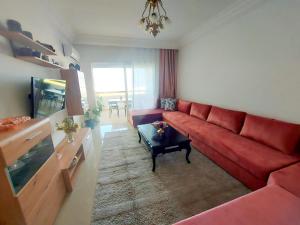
(22, 142)
(46, 209)
(38, 185)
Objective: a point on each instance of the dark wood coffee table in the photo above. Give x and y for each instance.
(171, 141)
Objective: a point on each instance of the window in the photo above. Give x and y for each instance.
(109, 80)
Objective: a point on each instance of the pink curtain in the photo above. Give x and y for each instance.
(167, 73)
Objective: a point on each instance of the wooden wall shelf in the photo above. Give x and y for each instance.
(24, 40)
(39, 61)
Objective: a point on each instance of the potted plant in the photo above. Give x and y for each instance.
(91, 116)
(69, 127)
(89, 119)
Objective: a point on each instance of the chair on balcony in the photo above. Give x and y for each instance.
(113, 104)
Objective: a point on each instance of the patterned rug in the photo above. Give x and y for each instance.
(129, 193)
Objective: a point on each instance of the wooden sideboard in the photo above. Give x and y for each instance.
(34, 176)
(71, 155)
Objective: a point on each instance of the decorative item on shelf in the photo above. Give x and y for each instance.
(36, 54)
(69, 127)
(23, 51)
(45, 57)
(91, 116)
(154, 17)
(50, 47)
(12, 122)
(55, 62)
(14, 25)
(28, 34)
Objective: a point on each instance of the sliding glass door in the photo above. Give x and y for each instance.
(123, 87)
(112, 84)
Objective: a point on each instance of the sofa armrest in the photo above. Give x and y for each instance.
(287, 178)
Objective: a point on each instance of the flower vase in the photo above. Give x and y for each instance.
(70, 137)
(160, 131)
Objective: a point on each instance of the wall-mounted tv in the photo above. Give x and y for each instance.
(47, 96)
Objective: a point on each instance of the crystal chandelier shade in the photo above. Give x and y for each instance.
(154, 17)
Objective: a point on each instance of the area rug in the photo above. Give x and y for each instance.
(129, 193)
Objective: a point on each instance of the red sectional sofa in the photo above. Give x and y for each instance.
(287, 178)
(270, 205)
(256, 150)
(248, 147)
(276, 204)
(137, 117)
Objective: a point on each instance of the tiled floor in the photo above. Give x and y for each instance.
(78, 205)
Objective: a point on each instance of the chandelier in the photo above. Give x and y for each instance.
(154, 17)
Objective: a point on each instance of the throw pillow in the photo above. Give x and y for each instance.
(162, 103)
(170, 104)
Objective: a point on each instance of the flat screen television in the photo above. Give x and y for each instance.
(47, 96)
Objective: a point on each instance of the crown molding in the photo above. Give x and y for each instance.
(241, 7)
(86, 39)
(224, 17)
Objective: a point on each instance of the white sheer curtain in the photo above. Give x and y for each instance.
(145, 67)
(138, 69)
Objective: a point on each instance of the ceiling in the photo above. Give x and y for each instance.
(120, 17)
(117, 21)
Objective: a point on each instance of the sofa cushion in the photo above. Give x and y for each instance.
(228, 119)
(200, 111)
(257, 158)
(204, 131)
(287, 178)
(162, 103)
(277, 134)
(267, 206)
(184, 106)
(170, 104)
(193, 124)
(260, 160)
(177, 120)
(229, 166)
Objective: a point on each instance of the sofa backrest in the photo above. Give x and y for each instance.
(184, 106)
(200, 111)
(228, 119)
(280, 135)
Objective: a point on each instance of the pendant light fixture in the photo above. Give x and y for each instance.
(154, 17)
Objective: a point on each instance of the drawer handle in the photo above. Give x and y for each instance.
(74, 162)
(33, 136)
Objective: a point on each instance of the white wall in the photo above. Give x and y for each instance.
(251, 64)
(15, 74)
(36, 17)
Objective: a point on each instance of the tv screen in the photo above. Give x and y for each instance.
(47, 96)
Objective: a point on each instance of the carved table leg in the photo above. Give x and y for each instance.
(139, 137)
(188, 151)
(153, 162)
